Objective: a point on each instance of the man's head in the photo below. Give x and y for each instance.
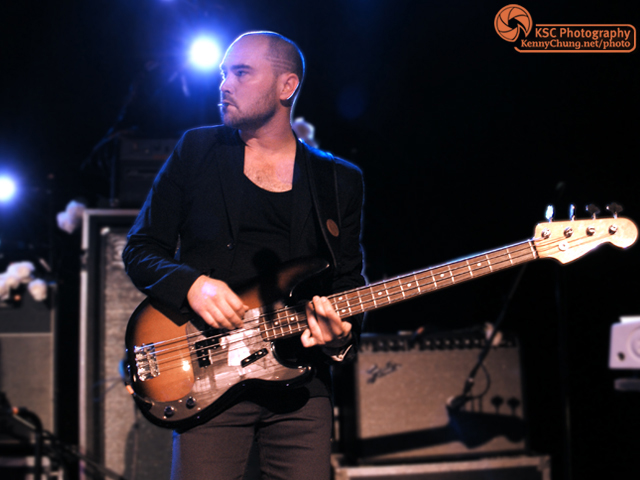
(262, 74)
(284, 55)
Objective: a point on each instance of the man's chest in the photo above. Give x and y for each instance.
(274, 174)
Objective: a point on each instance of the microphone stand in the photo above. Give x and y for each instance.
(458, 402)
(56, 446)
(32, 421)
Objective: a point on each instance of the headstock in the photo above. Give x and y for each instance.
(569, 240)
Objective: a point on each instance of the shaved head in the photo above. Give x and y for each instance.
(283, 54)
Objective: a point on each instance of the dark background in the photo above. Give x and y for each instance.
(463, 142)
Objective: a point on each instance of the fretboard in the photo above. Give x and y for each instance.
(292, 320)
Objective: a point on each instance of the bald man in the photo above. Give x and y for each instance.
(241, 200)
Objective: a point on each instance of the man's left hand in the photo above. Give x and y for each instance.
(325, 326)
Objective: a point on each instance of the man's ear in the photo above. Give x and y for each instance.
(290, 83)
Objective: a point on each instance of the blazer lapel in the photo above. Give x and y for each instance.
(302, 203)
(231, 169)
(320, 177)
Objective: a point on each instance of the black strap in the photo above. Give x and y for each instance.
(324, 193)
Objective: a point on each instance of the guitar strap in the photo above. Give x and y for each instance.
(326, 200)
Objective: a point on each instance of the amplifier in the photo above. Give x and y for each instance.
(139, 161)
(112, 430)
(519, 467)
(27, 364)
(400, 409)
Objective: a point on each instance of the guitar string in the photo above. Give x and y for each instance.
(427, 273)
(286, 322)
(295, 327)
(529, 247)
(406, 292)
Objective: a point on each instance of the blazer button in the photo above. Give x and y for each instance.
(231, 245)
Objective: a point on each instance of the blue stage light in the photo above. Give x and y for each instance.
(7, 188)
(204, 54)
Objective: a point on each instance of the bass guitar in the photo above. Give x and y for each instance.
(182, 372)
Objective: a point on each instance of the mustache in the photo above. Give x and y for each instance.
(225, 100)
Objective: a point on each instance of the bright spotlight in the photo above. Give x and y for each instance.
(204, 54)
(7, 188)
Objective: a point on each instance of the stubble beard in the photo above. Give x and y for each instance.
(251, 119)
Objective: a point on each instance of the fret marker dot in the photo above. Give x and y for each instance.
(479, 264)
(441, 275)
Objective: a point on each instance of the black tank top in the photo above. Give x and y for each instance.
(265, 233)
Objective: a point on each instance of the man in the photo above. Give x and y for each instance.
(239, 200)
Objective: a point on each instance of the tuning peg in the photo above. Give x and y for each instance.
(549, 213)
(593, 210)
(572, 211)
(614, 208)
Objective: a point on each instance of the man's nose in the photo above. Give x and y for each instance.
(224, 85)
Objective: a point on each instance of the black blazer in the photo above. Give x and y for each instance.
(189, 223)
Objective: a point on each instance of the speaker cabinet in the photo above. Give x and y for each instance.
(112, 432)
(139, 161)
(27, 362)
(405, 391)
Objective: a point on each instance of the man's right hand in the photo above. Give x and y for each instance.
(216, 303)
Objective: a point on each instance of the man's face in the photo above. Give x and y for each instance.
(248, 90)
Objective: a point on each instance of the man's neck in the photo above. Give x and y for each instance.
(269, 156)
(273, 137)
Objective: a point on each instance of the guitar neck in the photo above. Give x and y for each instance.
(404, 287)
(293, 320)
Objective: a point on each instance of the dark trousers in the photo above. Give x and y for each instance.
(292, 431)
